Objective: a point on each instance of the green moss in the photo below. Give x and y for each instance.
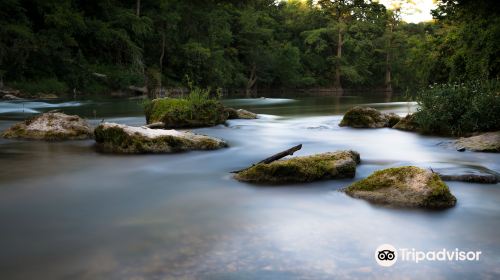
(113, 139)
(303, 169)
(404, 186)
(363, 117)
(391, 177)
(179, 113)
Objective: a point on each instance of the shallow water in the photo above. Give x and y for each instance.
(68, 212)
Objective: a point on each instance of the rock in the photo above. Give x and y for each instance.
(407, 123)
(52, 127)
(392, 119)
(183, 113)
(47, 96)
(366, 117)
(11, 97)
(407, 186)
(486, 142)
(333, 165)
(117, 138)
(239, 114)
(471, 178)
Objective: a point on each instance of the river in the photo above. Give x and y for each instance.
(68, 212)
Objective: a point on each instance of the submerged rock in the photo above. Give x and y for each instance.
(51, 127)
(366, 117)
(333, 165)
(407, 123)
(239, 114)
(407, 186)
(470, 178)
(183, 113)
(486, 142)
(117, 138)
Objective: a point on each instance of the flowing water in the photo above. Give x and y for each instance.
(67, 212)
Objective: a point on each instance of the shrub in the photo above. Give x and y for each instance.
(50, 85)
(197, 109)
(459, 109)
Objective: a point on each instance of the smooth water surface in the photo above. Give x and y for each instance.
(67, 212)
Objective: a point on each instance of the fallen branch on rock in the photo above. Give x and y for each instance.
(274, 157)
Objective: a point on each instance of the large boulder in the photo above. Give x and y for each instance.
(486, 142)
(407, 123)
(184, 113)
(366, 117)
(333, 165)
(407, 186)
(239, 114)
(51, 126)
(117, 138)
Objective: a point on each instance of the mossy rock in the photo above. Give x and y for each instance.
(239, 114)
(184, 113)
(333, 165)
(117, 138)
(407, 186)
(407, 123)
(486, 142)
(366, 117)
(50, 127)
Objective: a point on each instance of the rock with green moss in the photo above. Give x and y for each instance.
(407, 186)
(366, 117)
(50, 126)
(239, 114)
(407, 123)
(486, 142)
(117, 138)
(185, 113)
(333, 165)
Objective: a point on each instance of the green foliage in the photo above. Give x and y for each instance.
(460, 108)
(49, 85)
(198, 108)
(239, 44)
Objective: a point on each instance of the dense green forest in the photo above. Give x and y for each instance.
(95, 46)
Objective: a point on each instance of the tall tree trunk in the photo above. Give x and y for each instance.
(163, 42)
(338, 84)
(138, 8)
(388, 82)
(251, 80)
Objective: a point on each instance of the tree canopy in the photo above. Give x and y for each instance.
(64, 44)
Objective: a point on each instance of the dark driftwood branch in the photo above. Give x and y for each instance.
(274, 157)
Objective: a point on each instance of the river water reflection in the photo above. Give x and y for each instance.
(68, 212)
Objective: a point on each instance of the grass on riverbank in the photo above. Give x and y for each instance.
(197, 109)
(459, 109)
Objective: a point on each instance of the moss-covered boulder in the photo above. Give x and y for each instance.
(407, 123)
(239, 114)
(486, 142)
(50, 127)
(366, 117)
(407, 186)
(185, 113)
(117, 138)
(333, 165)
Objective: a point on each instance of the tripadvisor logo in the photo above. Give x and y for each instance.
(387, 255)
